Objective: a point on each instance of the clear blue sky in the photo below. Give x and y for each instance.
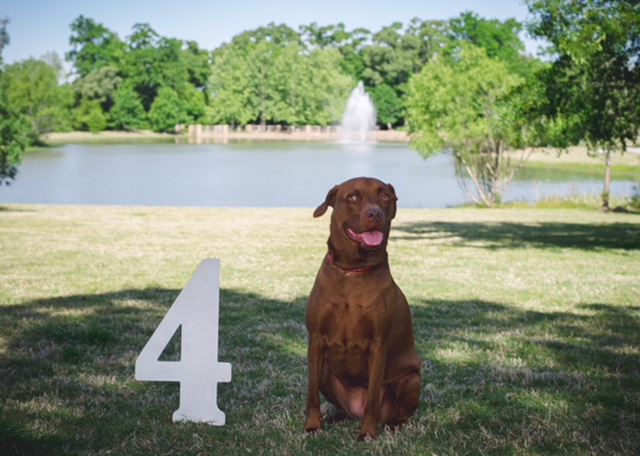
(40, 26)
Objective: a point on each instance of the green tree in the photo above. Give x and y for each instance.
(15, 131)
(389, 107)
(395, 54)
(300, 88)
(167, 111)
(386, 60)
(127, 112)
(592, 88)
(271, 55)
(500, 39)
(268, 76)
(34, 91)
(280, 100)
(464, 105)
(146, 62)
(93, 46)
(324, 87)
(261, 65)
(231, 88)
(4, 35)
(98, 56)
(89, 116)
(153, 62)
(145, 67)
(195, 104)
(15, 136)
(198, 65)
(100, 85)
(350, 44)
(278, 34)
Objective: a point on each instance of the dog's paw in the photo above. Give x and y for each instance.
(368, 430)
(313, 424)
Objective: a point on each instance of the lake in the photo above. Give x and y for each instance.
(252, 174)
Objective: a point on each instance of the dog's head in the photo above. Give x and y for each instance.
(361, 220)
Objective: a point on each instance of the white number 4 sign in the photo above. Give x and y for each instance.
(196, 310)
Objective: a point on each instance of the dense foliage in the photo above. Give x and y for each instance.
(14, 129)
(270, 75)
(592, 88)
(464, 104)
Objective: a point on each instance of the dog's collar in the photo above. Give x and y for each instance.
(350, 271)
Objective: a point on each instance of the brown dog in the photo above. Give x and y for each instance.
(361, 350)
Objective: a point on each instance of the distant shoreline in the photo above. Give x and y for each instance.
(141, 135)
(85, 136)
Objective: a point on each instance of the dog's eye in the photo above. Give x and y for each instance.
(352, 198)
(385, 197)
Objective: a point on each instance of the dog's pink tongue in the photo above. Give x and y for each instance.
(372, 237)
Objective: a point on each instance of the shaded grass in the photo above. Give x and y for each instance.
(528, 322)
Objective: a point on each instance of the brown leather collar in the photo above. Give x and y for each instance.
(350, 271)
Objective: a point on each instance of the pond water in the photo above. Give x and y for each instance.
(252, 174)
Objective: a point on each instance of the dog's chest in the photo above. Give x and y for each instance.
(351, 323)
(349, 335)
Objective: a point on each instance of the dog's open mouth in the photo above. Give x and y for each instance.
(371, 238)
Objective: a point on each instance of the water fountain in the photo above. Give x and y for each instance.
(359, 119)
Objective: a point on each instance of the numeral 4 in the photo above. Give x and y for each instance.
(196, 310)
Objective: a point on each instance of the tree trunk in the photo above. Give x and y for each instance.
(484, 198)
(497, 176)
(607, 181)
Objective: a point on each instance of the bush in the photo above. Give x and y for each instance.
(167, 111)
(89, 116)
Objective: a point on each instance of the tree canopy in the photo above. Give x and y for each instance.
(93, 46)
(270, 75)
(463, 104)
(259, 81)
(34, 92)
(15, 132)
(592, 87)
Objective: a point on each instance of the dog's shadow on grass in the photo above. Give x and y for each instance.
(619, 235)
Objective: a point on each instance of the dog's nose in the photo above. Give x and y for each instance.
(374, 214)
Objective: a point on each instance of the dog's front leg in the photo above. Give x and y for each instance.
(377, 361)
(316, 361)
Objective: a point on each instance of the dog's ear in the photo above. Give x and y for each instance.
(395, 198)
(393, 190)
(329, 201)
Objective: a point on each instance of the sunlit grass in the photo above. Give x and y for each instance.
(588, 201)
(528, 322)
(580, 156)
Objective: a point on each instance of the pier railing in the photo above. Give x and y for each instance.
(223, 133)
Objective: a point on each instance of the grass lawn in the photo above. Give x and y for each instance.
(528, 322)
(576, 162)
